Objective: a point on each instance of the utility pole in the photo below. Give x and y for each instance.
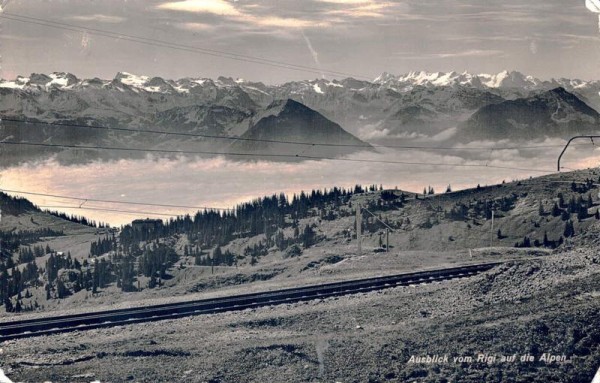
(492, 230)
(387, 229)
(387, 240)
(359, 229)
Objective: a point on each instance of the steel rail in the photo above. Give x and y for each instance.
(110, 318)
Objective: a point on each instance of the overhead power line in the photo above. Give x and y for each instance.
(176, 46)
(289, 142)
(115, 201)
(108, 210)
(268, 155)
(84, 199)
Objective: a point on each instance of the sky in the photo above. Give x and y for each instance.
(363, 38)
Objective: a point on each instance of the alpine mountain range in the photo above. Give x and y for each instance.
(450, 108)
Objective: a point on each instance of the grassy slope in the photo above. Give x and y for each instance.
(334, 257)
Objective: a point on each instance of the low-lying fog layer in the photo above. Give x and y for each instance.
(219, 182)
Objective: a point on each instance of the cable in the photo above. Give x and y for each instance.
(109, 210)
(233, 138)
(116, 202)
(237, 138)
(176, 46)
(290, 156)
(428, 213)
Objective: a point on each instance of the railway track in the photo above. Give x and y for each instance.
(110, 318)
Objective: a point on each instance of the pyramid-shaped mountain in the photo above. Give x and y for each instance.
(299, 126)
(554, 113)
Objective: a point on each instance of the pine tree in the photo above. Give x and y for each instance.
(96, 279)
(48, 294)
(280, 241)
(308, 236)
(556, 210)
(582, 213)
(569, 229)
(572, 228)
(152, 282)
(573, 205)
(217, 255)
(8, 306)
(61, 289)
(127, 274)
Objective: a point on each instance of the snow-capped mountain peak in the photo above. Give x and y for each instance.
(383, 78)
(510, 79)
(131, 79)
(42, 81)
(416, 103)
(504, 79)
(62, 80)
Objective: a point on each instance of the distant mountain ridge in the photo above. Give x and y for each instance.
(504, 79)
(390, 109)
(553, 113)
(292, 122)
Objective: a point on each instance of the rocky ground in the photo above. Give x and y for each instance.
(548, 304)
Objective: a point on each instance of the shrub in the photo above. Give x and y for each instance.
(292, 251)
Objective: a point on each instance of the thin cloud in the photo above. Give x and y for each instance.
(567, 36)
(228, 10)
(100, 18)
(216, 7)
(195, 27)
(281, 22)
(362, 8)
(350, 2)
(481, 39)
(17, 38)
(451, 55)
